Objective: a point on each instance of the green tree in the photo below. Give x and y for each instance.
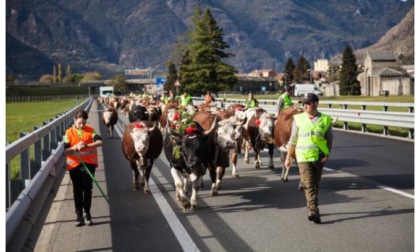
(119, 83)
(91, 76)
(349, 85)
(288, 72)
(202, 67)
(301, 73)
(171, 78)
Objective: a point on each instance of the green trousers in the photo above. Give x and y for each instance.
(310, 176)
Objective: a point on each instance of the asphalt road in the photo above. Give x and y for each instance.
(366, 203)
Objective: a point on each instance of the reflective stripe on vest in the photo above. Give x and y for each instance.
(311, 138)
(88, 155)
(287, 101)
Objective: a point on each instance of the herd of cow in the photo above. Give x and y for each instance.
(195, 139)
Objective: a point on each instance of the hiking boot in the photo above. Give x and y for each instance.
(314, 217)
(80, 221)
(88, 218)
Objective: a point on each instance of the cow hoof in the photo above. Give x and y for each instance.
(219, 185)
(136, 187)
(235, 175)
(271, 167)
(194, 206)
(246, 161)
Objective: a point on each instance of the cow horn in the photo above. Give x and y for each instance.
(154, 127)
(213, 126)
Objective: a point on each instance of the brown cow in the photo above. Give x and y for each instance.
(282, 132)
(142, 143)
(258, 132)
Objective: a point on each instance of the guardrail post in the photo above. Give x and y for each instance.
(25, 174)
(411, 133)
(363, 107)
(385, 108)
(410, 109)
(386, 131)
(46, 151)
(345, 125)
(37, 154)
(364, 129)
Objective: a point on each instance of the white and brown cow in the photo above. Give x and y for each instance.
(142, 143)
(109, 119)
(258, 132)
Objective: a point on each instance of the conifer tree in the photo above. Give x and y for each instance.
(301, 72)
(172, 77)
(349, 85)
(202, 67)
(289, 72)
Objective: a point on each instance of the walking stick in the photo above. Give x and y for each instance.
(93, 177)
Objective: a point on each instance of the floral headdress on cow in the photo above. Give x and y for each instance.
(182, 124)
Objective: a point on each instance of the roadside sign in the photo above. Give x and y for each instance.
(160, 81)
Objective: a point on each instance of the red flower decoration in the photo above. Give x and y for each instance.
(172, 126)
(139, 125)
(176, 116)
(238, 109)
(190, 130)
(258, 122)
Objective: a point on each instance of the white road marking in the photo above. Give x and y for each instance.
(179, 230)
(384, 187)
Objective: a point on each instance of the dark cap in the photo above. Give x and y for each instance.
(310, 97)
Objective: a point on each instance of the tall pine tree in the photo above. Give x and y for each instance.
(349, 85)
(301, 72)
(172, 77)
(289, 72)
(202, 67)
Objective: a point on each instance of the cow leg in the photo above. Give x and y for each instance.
(284, 170)
(234, 161)
(112, 131)
(196, 182)
(136, 174)
(220, 173)
(213, 177)
(246, 154)
(270, 152)
(145, 178)
(179, 188)
(257, 163)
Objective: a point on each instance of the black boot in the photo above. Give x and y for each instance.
(88, 218)
(80, 221)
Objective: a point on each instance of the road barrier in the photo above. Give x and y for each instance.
(29, 198)
(364, 117)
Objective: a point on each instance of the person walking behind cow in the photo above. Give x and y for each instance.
(186, 99)
(284, 100)
(209, 98)
(251, 102)
(80, 143)
(311, 139)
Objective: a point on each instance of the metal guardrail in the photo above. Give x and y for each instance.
(39, 182)
(364, 117)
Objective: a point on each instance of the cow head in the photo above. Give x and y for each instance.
(228, 131)
(195, 147)
(141, 135)
(265, 124)
(106, 115)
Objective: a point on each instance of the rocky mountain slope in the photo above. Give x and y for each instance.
(110, 35)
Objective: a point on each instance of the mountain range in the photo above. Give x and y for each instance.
(109, 36)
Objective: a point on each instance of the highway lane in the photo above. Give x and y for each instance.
(248, 216)
(258, 212)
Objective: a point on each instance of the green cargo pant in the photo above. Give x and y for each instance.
(310, 176)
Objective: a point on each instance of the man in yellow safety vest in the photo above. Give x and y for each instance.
(311, 139)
